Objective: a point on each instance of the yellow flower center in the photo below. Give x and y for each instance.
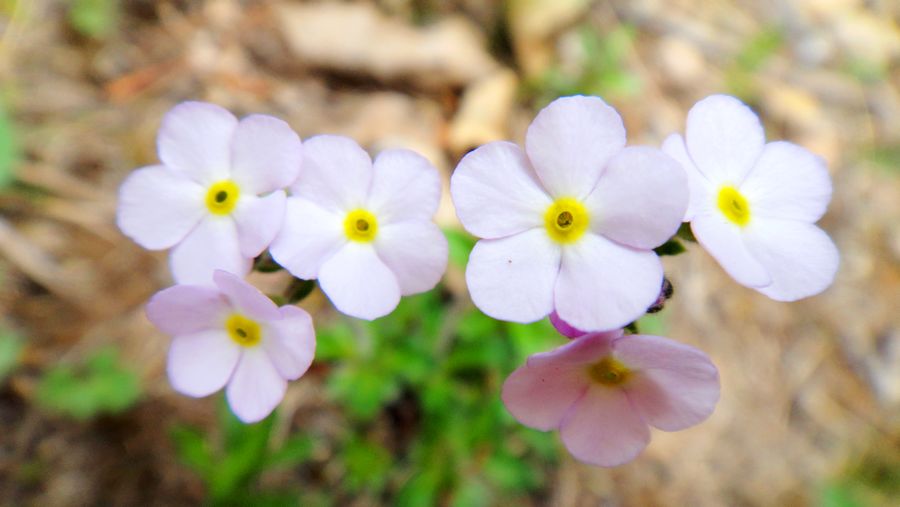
(566, 220)
(245, 332)
(360, 225)
(222, 197)
(609, 372)
(734, 206)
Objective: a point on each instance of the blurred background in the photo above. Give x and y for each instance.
(406, 410)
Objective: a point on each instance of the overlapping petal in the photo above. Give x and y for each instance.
(258, 221)
(415, 251)
(309, 236)
(195, 139)
(724, 139)
(256, 387)
(265, 154)
(212, 245)
(358, 283)
(789, 183)
(336, 173)
(292, 343)
(603, 429)
(186, 309)
(725, 242)
(201, 363)
(245, 298)
(700, 191)
(405, 187)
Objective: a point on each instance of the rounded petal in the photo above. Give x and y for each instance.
(603, 285)
(512, 278)
(496, 192)
(603, 428)
(405, 186)
(416, 252)
(640, 199)
(158, 207)
(358, 283)
(256, 387)
(336, 173)
(186, 309)
(212, 245)
(201, 363)
(580, 351)
(258, 220)
(788, 182)
(540, 395)
(801, 259)
(570, 142)
(246, 298)
(309, 236)
(699, 189)
(292, 343)
(564, 328)
(265, 154)
(724, 138)
(725, 242)
(195, 139)
(675, 387)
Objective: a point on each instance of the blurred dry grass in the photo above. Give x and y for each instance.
(810, 389)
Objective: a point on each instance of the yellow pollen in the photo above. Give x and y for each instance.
(360, 225)
(245, 332)
(609, 372)
(734, 206)
(566, 220)
(222, 197)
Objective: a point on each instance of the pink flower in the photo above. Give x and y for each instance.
(602, 390)
(217, 199)
(233, 335)
(570, 222)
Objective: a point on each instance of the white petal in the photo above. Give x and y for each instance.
(195, 139)
(700, 190)
(258, 220)
(212, 245)
(201, 363)
(245, 298)
(788, 182)
(186, 309)
(158, 207)
(496, 192)
(603, 285)
(358, 283)
(416, 252)
(309, 236)
(640, 199)
(570, 142)
(291, 344)
(256, 387)
(603, 428)
(512, 278)
(725, 242)
(724, 138)
(405, 186)
(265, 154)
(801, 258)
(336, 173)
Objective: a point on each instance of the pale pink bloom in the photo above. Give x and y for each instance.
(363, 229)
(217, 199)
(570, 222)
(754, 204)
(602, 390)
(233, 334)
(564, 327)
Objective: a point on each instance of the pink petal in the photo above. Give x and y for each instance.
(571, 141)
(604, 429)
(256, 387)
(258, 221)
(336, 173)
(195, 139)
(640, 199)
(563, 327)
(580, 351)
(309, 236)
(700, 199)
(265, 154)
(201, 363)
(291, 344)
(539, 395)
(186, 309)
(512, 278)
(358, 283)
(405, 186)
(246, 298)
(725, 242)
(496, 192)
(416, 252)
(603, 285)
(788, 183)
(158, 207)
(212, 245)
(724, 139)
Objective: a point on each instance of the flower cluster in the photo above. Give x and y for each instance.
(569, 227)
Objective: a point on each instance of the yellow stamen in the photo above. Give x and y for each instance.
(360, 225)
(734, 206)
(566, 220)
(245, 332)
(609, 372)
(222, 197)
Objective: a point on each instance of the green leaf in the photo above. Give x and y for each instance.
(760, 48)
(94, 18)
(192, 449)
(367, 465)
(420, 489)
(10, 152)
(460, 244)
(11, 347)
(363, 391)
(471, 493)
(293, 452)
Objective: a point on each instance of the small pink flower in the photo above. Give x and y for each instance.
(602, 390)
(234, 335)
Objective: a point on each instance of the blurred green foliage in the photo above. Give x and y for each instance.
(10, 152)
(869, 480)
(740, 76)
(11, 347)
(94, 18)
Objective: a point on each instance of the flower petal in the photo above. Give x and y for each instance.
(416, 252)
(405, 186)
(700, 190)
(158, 207)
(788, 182)
(292, 343)
(336, 173)
(603, 428)
(246, 298)
(201, 363)
(309, 236)
(603, 285)
(725, 242)
(580, 351)
(563, 327)
(801, 259)
(512, 278)
(496, 192)
(258, 220)
(256, 387)
(186, 309)
(724, 138)
(676, 386)
(212, 245)
(539, 395)
(358, 283)
(195, 139)
(570, 142)
(640, 199)
(265, 154)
